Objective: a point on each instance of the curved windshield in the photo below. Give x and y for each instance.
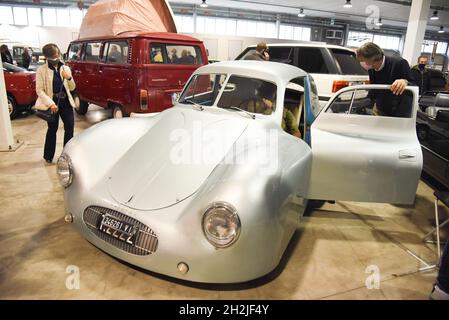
(203, 89)
(249, 94)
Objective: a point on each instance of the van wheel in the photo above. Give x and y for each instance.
(117, 112)
(12, 107)
(82, 110)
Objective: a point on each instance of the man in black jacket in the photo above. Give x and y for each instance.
(394, 71)
(421, 75)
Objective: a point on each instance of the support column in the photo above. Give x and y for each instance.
(416, 28)
(6, 137)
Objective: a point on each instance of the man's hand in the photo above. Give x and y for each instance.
(54, 108)
(266, 55)
(398, 87)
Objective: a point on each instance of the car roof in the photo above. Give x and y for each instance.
(306, 44)
(153, 35)
(271, 71)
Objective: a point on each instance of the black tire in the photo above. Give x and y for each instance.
(422, 132)
(12, 107)
(82, 110)
(118, 112)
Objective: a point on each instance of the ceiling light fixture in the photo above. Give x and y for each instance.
(347, 4)
(441, 30)
(301, 13)
(379, 22)
(434, 16)
(203, 4)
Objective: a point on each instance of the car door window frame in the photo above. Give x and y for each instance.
(414, 103)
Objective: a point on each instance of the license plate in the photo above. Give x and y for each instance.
(118, 229)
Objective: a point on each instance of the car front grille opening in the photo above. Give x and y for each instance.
(145, 240)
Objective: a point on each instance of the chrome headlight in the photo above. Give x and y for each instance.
(221, 224)
(64, 170)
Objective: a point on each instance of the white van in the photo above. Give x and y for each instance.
(332, 67)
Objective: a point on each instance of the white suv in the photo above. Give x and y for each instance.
(332, 67)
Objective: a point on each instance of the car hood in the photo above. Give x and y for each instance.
(172, 160)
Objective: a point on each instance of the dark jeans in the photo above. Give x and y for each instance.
(443, 274)
(66, 114)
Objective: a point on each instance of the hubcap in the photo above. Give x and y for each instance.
(10, 107)
(118, 113)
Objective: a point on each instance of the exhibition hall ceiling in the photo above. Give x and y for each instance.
(392, 12)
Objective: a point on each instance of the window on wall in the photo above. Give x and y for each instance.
(76, 17)
(20, 15)
(291, 32)
(63, 17)
(49, 17)
(184, 23)
(387, 42)
(34, 16)
(356, 39)
(428, 46)
(6, 15)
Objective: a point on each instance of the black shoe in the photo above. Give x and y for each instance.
(48, 161)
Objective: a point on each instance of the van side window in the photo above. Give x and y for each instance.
(92, 51)
(184, 55)
(75, 51)
(156, 53)
(175, 54)
(117, 52)
(311, 60)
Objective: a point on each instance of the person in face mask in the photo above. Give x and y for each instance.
(54, 83)
(421, 74)
(394, 71)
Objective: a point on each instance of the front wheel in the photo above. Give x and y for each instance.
(12, 107)
(117, 112)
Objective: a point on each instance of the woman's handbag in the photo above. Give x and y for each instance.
(46, 115)
(43, 112)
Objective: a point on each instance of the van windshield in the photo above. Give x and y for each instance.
(348, 62)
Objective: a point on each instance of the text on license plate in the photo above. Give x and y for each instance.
(118, 229)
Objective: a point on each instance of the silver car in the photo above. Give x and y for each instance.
(213, 189)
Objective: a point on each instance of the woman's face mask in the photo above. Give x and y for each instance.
(53, 62)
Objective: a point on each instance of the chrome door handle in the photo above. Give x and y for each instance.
(407, 155)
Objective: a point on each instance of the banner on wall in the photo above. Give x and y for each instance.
(108, 18)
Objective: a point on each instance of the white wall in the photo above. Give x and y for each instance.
(39, 36)
(228, 47)
(220, 47)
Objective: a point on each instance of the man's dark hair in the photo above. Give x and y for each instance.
(370, 51)
(423, 56)
(49, 50)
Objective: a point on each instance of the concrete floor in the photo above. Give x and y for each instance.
(328, 258)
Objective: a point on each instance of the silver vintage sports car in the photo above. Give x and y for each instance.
(213, 189)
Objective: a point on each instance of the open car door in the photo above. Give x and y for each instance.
(365, 147)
